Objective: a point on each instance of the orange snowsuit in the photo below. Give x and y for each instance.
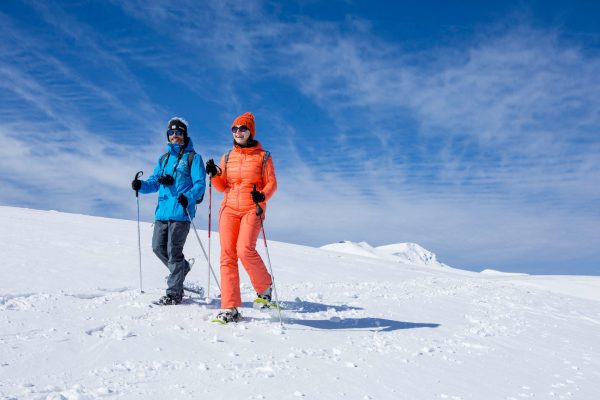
(239, 226)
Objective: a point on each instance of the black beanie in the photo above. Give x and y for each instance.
(178, 123)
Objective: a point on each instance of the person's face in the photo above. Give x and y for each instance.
(241, 134)
(175, 136)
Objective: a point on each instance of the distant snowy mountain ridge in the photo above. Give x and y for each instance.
(407, 253)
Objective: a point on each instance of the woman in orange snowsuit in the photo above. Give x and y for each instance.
(245, 167)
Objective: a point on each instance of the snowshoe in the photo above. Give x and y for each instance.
(263, 301)
(169, 300)
(193, 287)
(227, 316)
(264, 304)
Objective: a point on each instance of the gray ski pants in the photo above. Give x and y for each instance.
(167, 243)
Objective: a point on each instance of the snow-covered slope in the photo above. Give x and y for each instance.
(407, 253)
(73, 325)
(363, 249)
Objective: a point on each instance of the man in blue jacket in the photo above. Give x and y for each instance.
(179, 178)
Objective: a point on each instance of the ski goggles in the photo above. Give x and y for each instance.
(176, 132)
(242, 129)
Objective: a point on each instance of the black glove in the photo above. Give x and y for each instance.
(182, 200)
(136, 184)
(257, 197)
(211, 168)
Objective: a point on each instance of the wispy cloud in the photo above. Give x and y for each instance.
(47, 73)
(499, 112)
(495, 143)
(517, 90)
(60, 124)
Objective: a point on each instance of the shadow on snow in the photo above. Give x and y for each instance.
(371, 324)
(367, 323)
(300, 306)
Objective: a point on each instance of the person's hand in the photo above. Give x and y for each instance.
(211, 168)
(182, 200)
(136, 184)
(257, 197)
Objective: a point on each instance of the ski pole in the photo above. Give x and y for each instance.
(259, 212)
(209, 227)
(202, 247)
(137, 198)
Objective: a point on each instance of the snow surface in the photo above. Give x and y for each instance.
(75, 326)
(494, 272)
(409, 253)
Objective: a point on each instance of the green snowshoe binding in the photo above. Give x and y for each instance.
(263, 302)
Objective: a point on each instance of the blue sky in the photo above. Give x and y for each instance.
(471, 128)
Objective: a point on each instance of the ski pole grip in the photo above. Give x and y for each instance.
(259, 209)
(137, 176)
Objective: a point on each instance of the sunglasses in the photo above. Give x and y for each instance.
(176, 132)
(242, 129)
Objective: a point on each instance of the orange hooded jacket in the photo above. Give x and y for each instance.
(244, 169)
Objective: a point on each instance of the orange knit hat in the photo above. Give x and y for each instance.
(248, 120)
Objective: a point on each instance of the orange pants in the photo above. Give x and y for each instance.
(239, 232)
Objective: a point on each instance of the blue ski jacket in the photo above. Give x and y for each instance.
(189, 181)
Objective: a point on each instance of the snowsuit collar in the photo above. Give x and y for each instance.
(250, 143)
(174, 149)
(248, 150)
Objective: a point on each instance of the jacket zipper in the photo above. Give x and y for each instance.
(240, 182)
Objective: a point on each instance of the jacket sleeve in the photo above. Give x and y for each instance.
(151, 185)
(198, 174)
(269, 180)
(220, 181)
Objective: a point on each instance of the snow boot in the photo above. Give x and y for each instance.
(227, 316)
(169, 300)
